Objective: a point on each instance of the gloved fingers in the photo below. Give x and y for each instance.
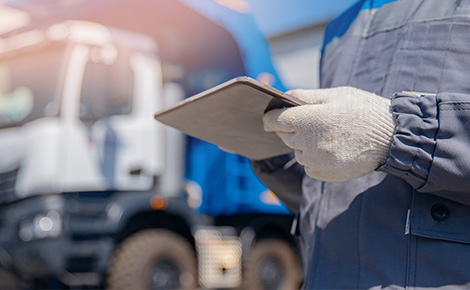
(291, 140)
(276, 121)
(311, 96)
(314, 172)
(288, 120)
(300, 157)
(321, 96)
(328, 175)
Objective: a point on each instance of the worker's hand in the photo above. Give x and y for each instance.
(342, 133)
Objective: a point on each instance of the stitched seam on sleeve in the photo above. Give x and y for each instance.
(455, 109)
(435, 141)
(447, 103)
(454, 106)
(445, 56)
(418, 144)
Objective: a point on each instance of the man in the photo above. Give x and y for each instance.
(382, 179)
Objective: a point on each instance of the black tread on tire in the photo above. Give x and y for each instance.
(153, 259)
(272, 264)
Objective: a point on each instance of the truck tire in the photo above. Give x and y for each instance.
(272, 264)
(153, 259)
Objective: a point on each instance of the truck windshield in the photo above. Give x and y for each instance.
(107, 87)
(28, 85)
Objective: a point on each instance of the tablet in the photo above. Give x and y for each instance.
(230, 116)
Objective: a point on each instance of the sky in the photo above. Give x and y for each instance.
(279, 16)
(276, 17)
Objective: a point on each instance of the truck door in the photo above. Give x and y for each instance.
(113, 142)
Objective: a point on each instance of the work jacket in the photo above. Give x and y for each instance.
(407, 224)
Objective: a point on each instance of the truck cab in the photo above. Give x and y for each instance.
(80, 151)
(76, 94)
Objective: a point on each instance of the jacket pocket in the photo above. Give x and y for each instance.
(439, 249)
(440, 218)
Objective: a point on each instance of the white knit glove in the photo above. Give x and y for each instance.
(342, 133)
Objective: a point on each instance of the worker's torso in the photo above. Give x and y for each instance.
(363, 228)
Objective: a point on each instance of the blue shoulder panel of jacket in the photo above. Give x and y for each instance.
(339, 26)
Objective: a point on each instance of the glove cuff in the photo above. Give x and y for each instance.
(382, 129)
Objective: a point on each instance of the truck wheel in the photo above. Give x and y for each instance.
(272, 264)
(153, 259)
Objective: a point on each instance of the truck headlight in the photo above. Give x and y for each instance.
(42, 226)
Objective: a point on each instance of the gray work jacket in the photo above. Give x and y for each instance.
(406, 225)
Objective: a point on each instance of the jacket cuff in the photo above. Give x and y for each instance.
(414, 139)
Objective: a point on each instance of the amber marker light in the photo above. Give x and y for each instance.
(158, 202)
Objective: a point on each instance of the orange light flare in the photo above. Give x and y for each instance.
(158, 202)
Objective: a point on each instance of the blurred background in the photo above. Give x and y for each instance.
(295, 32)
(94, 193)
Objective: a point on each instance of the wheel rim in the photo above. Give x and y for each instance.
(164, 274)
(271, 273)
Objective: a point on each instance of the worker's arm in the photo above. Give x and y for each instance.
(346, 133)
(282, 175)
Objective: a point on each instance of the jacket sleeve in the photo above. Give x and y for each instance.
(283, 176)
(431, 143)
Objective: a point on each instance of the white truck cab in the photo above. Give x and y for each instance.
(65, 93)
(80, 153)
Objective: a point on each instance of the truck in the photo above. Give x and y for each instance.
(95, 193)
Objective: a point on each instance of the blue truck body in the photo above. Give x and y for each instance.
(228, 183)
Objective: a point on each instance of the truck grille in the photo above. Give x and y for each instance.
(7, 186)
